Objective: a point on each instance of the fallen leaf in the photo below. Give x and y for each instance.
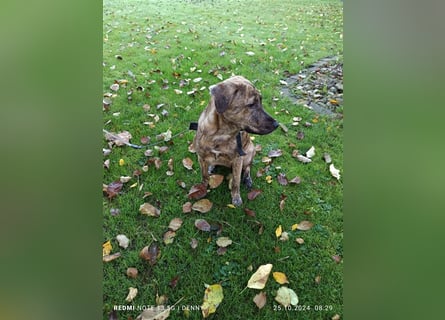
(121, 162)
(282, 179)
(111, 257)
(106, 248)
(197, 191)
(317, 279)
(203, 205)
(253, 194)
(286, 297)
(305, 225)
(259, 279)
(194, 243)
(131, 294)
(187, 163)
(149, 210)
(278, 231)
(249, 212)
(107, 164)
(123, 241)
(119, 139)
(299, 240)
(221, 251)
(113, 315)
(154, 313)
(336, 258)
(280, 277)
(168, 237)
(150, 253)
(170, 164)
(260, 300)
(335, 172)
(114, 188)
(275, 153)
(187, 207)
(295, 180)
(294, 227)
(160, 300)
(303, 158)
(327, 158)
(223, 242)
(115, 211)
(202, 225)
(300, 135)
(250, 53)
(269, 179)
(213, 296)
(174, 282)
(132, 272)
(335, 317)
(124, 179)
(175, 224)
(284, 236)
(215, 180)
(311, 152)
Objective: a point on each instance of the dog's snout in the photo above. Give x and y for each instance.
(275, 124)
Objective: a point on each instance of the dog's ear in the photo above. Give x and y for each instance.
(223, 94)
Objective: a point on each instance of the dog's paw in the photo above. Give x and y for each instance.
(248, 182)
(237, 201)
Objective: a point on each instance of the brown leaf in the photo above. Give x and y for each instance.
(175, 224)
(174, 282)
(253, 194)
(187, 207)
(249, 212)
(336, 258)
(260, 300)
(168, 237)
(170, 164)
(150, 253)
(305, 225)
(295, 180)
(202, 225)
(282, 179)
(163, 149)
(300, 135)
(275, 153)
(132, 272)
(221, 251)
(215, 180)
(197, 191)
(114, 188)
(187, 163)
(204, 205)
(149, 210)
(145, 140)
(282, 203)
(303, 159)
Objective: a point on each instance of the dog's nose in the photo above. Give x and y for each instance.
(275, 124)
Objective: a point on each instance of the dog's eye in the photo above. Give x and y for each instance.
(251, 105)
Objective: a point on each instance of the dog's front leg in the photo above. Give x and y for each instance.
(236, 171)
(204, 171)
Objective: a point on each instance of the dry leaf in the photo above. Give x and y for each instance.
(259, 278)
(221, 251)
(111, 257)
(260, 300)
(150, 253)
(175, 224)
(131, 294)
(295, 180)
(284, 236)
(300, 135)
(215, 180)
(249, 212)
(213, 296)
(305, 225)
(124, 179)
(223, 242)
(202, 225)
(303, 158)
(197, 191)
(299, 240)
(150, 210)
(286, 297)
(282, 179)
(113, 189)
(253, 194)
(334, 171)
(311, 152)
(194, 243)
(174, 282)
(132, 272)
(278, 231)
(280, 277)
(123, 241)
(106, 248)
(336, 258)
(204, 205)
(187, 163)
(168, 237)
(187, 207)
(154, 313)
(327, 158)
(335, 317)
(250, 53)
(275, 153)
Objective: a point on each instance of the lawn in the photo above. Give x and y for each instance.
(159, 58)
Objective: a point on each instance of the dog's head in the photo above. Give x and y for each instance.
(239, 103)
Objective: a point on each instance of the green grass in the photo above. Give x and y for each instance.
(152, 44)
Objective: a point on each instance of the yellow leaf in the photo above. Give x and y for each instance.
(231, 206)
(280, 277)
(131, 294)
(286, 297)
(278, 231)
(259, 278)
(294, 227)
(269, 179)
(213, 295)
(121, 162)
(106, 248)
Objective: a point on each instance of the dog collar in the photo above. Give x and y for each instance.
(239, 145)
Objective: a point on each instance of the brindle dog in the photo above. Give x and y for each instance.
(222, 138)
